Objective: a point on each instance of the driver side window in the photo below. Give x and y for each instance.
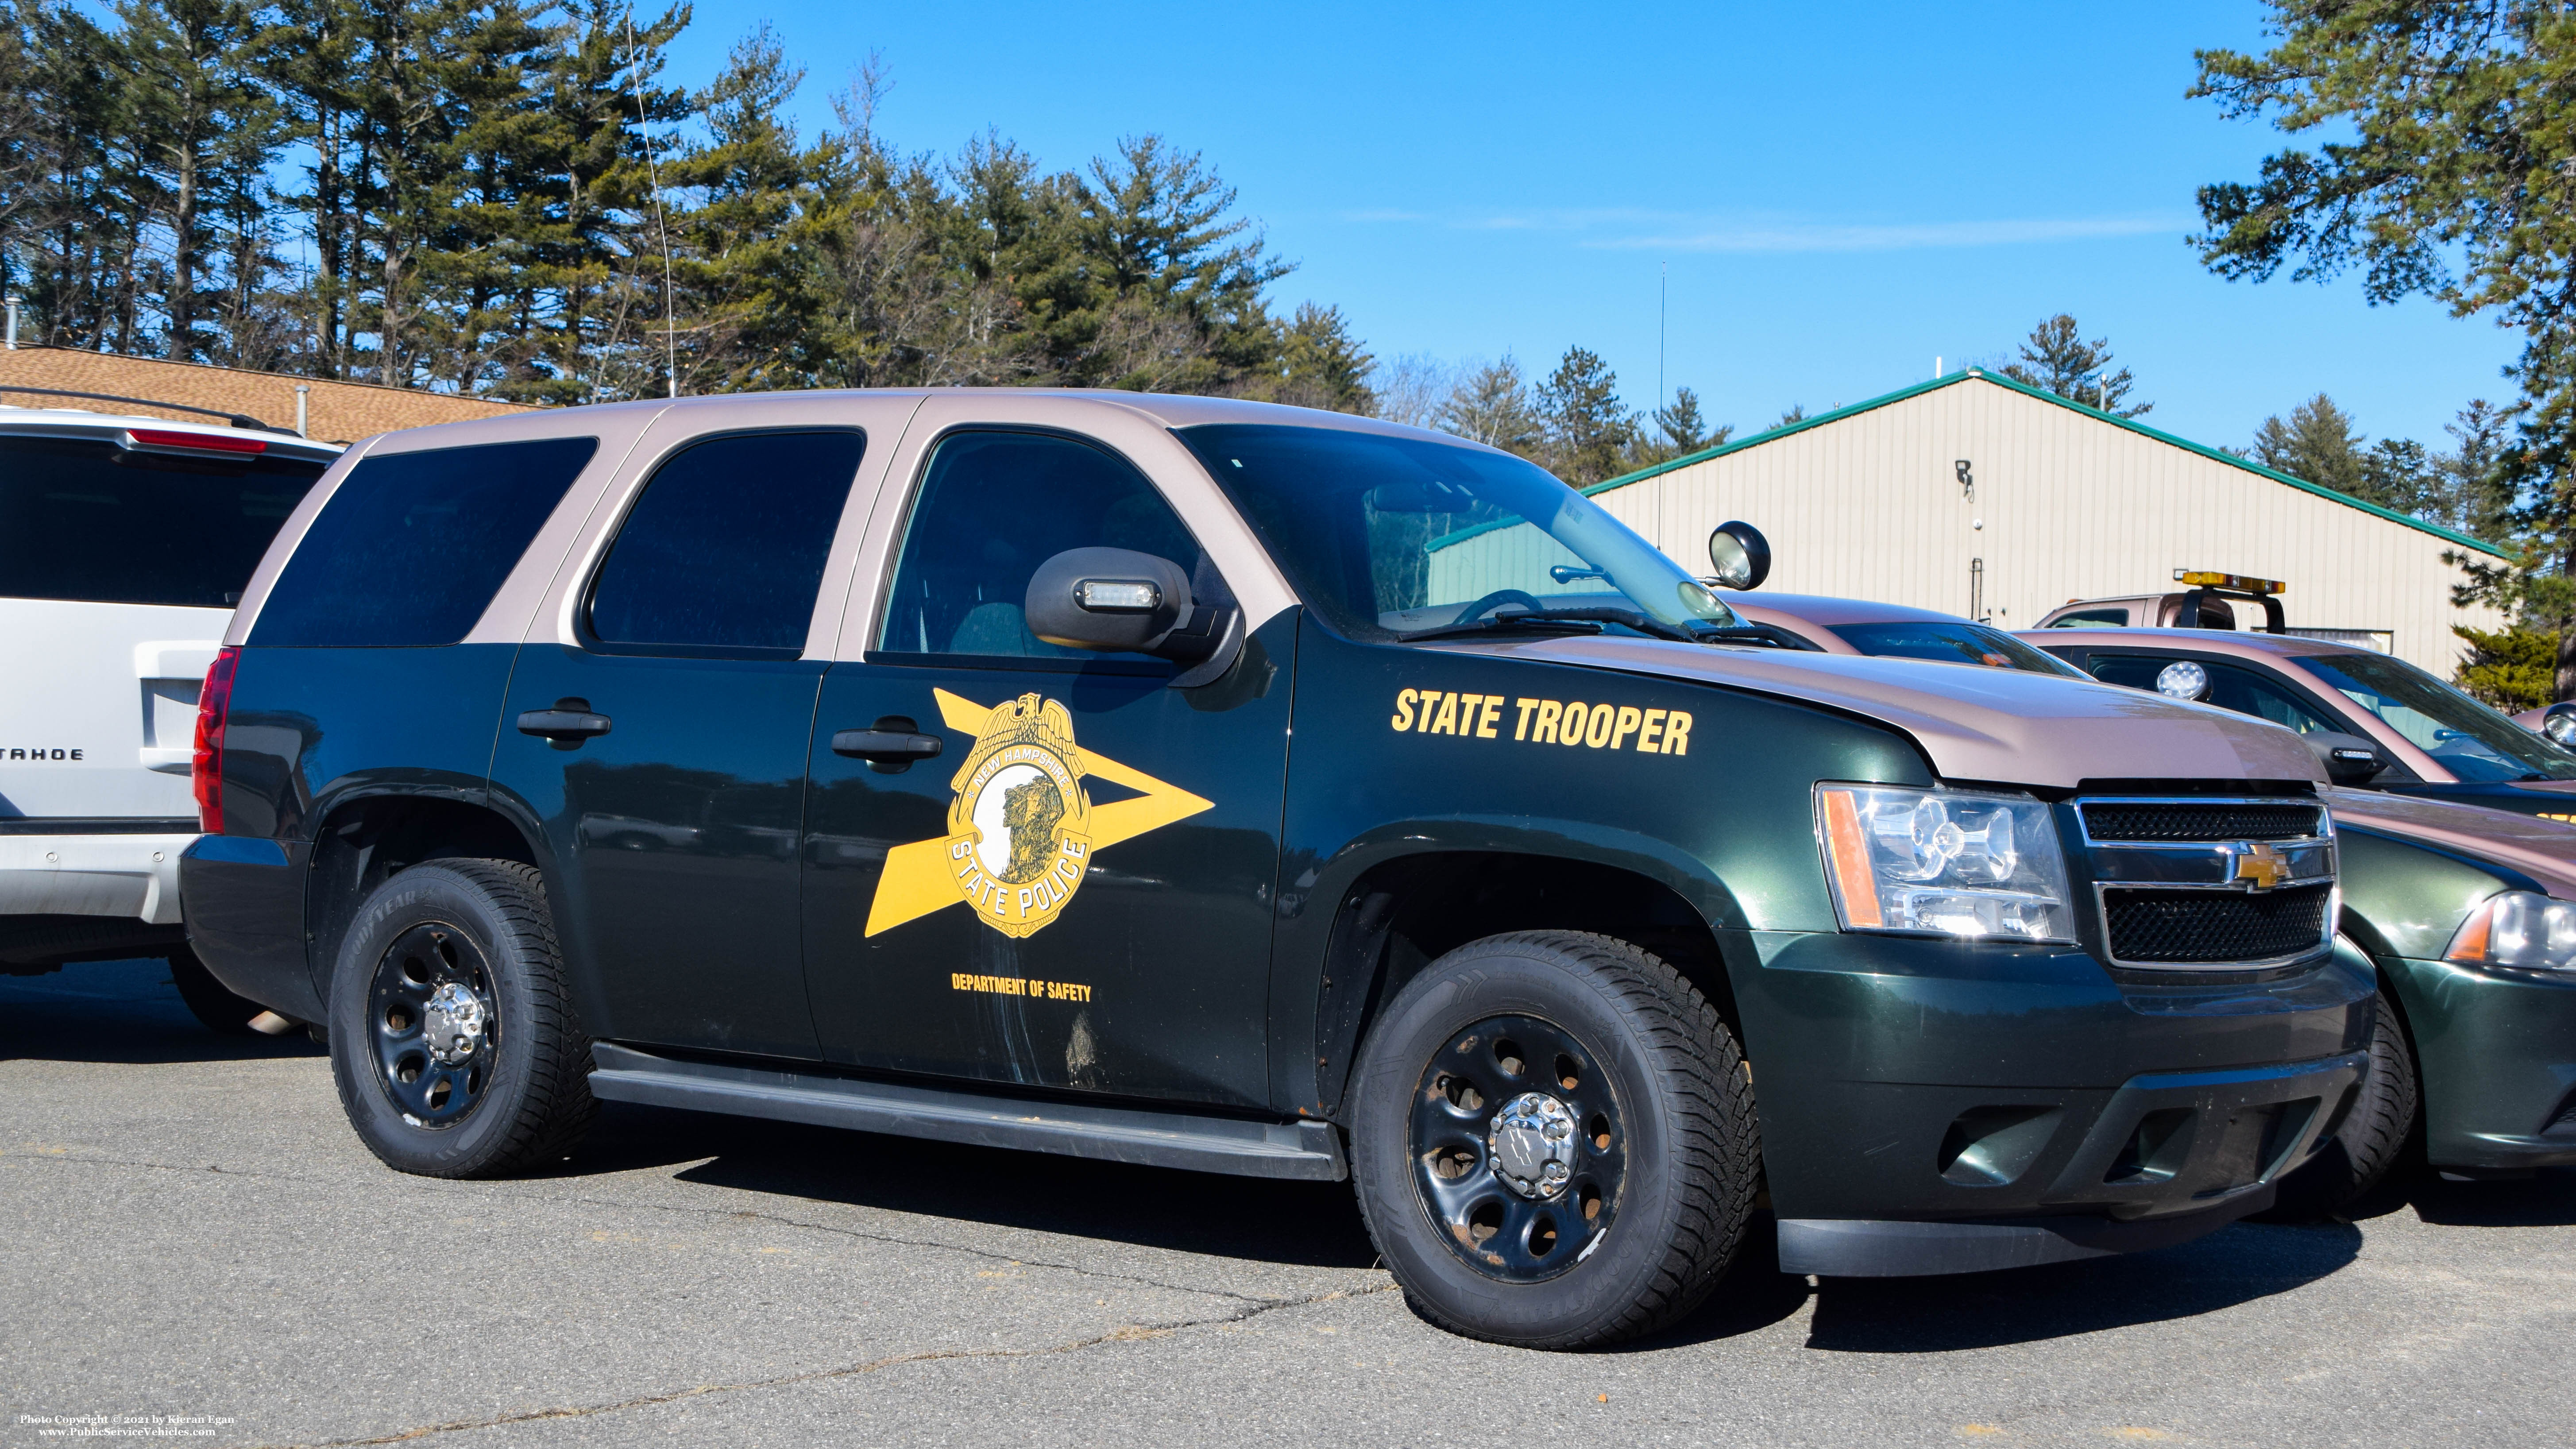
(992, 507)
(2230, 687)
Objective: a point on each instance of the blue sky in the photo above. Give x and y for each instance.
(1840, 193)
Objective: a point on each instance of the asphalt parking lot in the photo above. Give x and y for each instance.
(188, 1229)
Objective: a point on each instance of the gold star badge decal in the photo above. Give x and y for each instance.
(1021, 829)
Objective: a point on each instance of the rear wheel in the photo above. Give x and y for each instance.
(2373, 1135)
(210, 1000)
(453, 1041)
(1553, 1141)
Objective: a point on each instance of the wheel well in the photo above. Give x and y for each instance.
(365, 842)
(1402, 915)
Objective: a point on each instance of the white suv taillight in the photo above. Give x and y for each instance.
(206, 770)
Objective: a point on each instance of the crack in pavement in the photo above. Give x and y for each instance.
(435, 1185)
(1129, 1333)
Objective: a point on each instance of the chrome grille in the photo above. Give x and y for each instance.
(2211, 884)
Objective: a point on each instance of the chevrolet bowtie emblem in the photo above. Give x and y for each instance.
(2260, 866)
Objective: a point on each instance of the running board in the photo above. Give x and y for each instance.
(1311, 1150)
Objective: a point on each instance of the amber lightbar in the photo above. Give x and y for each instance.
(2204, 579)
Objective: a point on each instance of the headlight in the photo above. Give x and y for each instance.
(1944, 862)
(2518, 928)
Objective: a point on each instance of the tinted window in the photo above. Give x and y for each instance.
(412, 546)
(2471, 740)
(992, 507)
(1959, 643)
(724, 549)
(2081, 618)
(90, 521)
(2230, 687)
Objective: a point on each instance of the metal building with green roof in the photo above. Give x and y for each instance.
(1974, 494)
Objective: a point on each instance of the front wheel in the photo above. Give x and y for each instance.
(453, 1041)
(1553, 1141)
(2370, 1140)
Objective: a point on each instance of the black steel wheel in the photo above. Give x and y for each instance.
(432, 1022)
(454, 1042)
(1522, 1097)
(1517, 1148)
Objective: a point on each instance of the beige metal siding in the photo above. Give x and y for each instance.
(2072, 506)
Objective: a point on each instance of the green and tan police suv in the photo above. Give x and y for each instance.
(1214, 785)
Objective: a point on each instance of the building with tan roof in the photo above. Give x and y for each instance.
(336, 412)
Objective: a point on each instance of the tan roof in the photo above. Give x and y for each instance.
(336, 412)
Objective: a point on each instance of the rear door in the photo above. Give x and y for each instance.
(658, 716)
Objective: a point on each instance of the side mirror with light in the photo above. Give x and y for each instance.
(1740, 555)
(1120, 601)
(2348, 759)
(2559, 723)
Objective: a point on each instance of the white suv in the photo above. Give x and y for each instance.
(124, 544)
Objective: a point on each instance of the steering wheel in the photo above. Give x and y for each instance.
(1498, 596)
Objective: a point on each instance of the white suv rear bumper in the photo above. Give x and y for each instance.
(92, 875)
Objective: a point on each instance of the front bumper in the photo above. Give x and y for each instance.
(2496, 1052)
(1934, 1107)
(92, 875)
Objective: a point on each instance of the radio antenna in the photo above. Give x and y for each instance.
(661, 226)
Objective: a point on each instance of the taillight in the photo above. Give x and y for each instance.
(206, 770)
(160, 440)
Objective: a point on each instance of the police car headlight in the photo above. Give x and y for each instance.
(1944, 863)
(2518, 928)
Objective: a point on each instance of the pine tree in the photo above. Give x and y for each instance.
(1588, 431)
(2056, 359)
(1320, 364)
(1491, 405)
(2319, 443)
(1683, 429)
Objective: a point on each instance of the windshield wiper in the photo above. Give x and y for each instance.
(1583, 620)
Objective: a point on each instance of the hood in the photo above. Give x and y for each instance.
(2541, 849)
(2008, 726)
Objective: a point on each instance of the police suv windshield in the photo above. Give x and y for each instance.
(2470, 740)
(1390, 536)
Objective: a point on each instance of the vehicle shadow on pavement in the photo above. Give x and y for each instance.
(1934, 1315)
(1309, 1224)
(2546, 1201)
(124, 1012)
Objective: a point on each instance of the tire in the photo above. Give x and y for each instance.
(208, 999)
(1626, 1223)
(2373, 1135)
(453, 1041)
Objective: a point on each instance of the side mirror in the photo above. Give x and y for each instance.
(1118, 600)
(1740, 554)
(2559, 723)
(2348, 759)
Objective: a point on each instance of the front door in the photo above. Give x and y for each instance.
(663, 745)
(1075, 891)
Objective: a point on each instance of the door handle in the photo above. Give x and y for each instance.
(889, 746)
(567, 724)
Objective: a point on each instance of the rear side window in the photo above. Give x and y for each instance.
(89, 521)
(2082, 618)
(412, 546)
(723, 551)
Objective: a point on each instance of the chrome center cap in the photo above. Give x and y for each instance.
(1532, 1145)
(453, 1022)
